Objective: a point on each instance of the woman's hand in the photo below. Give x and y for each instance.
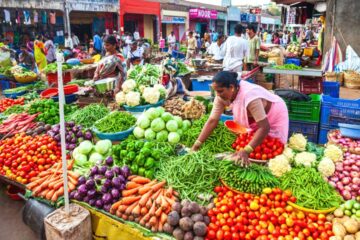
(116, 90)
(195, 148)
(241, 158)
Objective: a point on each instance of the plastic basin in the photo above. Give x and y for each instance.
(350, 130)
(234, 127)
(143, 107)
(114, 136)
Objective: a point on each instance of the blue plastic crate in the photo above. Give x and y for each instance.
(225, 117)
(338, 110)
(323, 132)
(201, 85)
(350, 130)
(332, 89)
(5, 84)
(294, 61)
(308, 129)
(68, 98)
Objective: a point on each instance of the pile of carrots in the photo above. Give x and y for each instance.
(146, 202)
(49, 184)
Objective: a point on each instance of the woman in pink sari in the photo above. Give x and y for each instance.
(253, 107)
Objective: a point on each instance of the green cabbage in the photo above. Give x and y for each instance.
(143, 122)
(103, 146)
(186, 125)
(162, 136)
(152, 113)
(85, 147)
(96, 158)
(173, 137)
(139, 132)
(167, 116)
(157, 125)
(172, 126)
(179, 121)
(150, 134)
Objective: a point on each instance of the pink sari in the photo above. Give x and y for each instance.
(277, 116)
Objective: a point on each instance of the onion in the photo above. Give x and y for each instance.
(339, 167)
(347, 168)
(354, 174)
(332, 183)
(345, 180)
(348, 188)
(357, 163)
(340, 186)
(354, 187)
(346, 173)
(341, 175)
(355, 168)
(346, 194)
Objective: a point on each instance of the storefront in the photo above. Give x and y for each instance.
(141, 16)
(174, 21)
(202, 20)
(270, 23)
(233, 18)
(221, 23)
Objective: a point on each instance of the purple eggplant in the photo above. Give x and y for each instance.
(99, 203)
(86, 199)
(77, 196)
(115, 193)
(56, 128)
(107, 198)
(70, 124)
(116, 170)
(107, 207)
(109, 161)
(109, 174)
(72, 195)
(88, 135)
(107, 183)
(73, 140)
(82, 190)
(104, 189)
(103, 170)
(91, 193)
(68, 138)
(116, 182)
(90, 184)
(57, 137)
(125, 171)
(81, 180)
(122, 179)
(71, 146)
(122, 187)
(74, 129)
(79, 134)
(51, 133)
(92, 202)
(94, 170)
(98, 179)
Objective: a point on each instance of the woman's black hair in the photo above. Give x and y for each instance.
(226, 79)
(110, 39)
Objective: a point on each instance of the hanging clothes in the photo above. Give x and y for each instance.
(44, 17)
(52, 18)
(7, 16)
(36, 17)
(18, 18)
(27, 19)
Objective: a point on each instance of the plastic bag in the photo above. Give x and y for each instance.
(292, 95)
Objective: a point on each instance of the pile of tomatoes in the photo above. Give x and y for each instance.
(268, 149)
(268, 216)
(23, 157)
(5, 103)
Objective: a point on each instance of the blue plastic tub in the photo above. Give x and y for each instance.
(294, 61)
(14, 95)
(308, 129)
(143, 108)
(338, 110)
(225, 117)
(331, 89)
(68, 98)
(201, 85)
(24, 84)
(350, 130)
(113, 136)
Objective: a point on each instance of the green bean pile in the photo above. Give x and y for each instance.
(219, 141)
(14, 109)
(310, 189)
(252, 179)
(192, 175)
(88, 115)
(115, 122)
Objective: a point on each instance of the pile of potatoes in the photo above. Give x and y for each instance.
(344, 227)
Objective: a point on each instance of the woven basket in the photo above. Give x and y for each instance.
(334, 77)
(352, 79)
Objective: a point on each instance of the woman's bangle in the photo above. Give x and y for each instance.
(248, 149)
(198, 142)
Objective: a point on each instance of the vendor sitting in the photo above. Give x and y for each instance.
(216, 49)
(26, 59)
(253, 107)
(111, 65)
(135, 55)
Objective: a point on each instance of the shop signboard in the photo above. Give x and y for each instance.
(173, 20)
(244, 17)
(221, 16)
(252, 18)
(255, 10)
(203, 13)
(233, 14)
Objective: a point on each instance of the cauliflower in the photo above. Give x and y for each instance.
(279, 165)
(142, 88)
(326, 167)
(297, 142)
(133, 99)
(128, 85)
(305, 158)
(161, 89)
(289, 153)
(334, 153)
(120, 98)
(151, 95)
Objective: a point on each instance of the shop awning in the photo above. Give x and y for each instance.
(288, 2)
(139, 7)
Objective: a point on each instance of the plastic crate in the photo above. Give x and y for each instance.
(305, 111)
(323, 132)
(308, 129)
(201, 85)
(52, 78)
(338, 110)
(309, 51)
(294, 61)
(332, 89)
(310, 85)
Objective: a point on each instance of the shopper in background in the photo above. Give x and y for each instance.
(254, 48)
(39, 53)
(68, 42)
(191, 46)
(136, 35)
(171, 39)
(135, 55)
(26, 59)
(276, 39)
(235, 50)
(216, 49)
(97, 43)
(269, 37)
(285, 38)
(75, 40)
(214, 36)
(50, 49)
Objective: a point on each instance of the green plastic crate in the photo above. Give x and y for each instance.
(305, 111)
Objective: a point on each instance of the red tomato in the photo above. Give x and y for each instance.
(220, 235)
(211, 234)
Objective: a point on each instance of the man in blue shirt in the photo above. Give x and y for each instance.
(97, 43)
(214, 36)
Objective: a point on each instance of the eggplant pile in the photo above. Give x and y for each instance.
(103, 186)
(75, 134)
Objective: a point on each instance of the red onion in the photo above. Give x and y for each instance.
(354, 174)
(341, 175)
(346, 194)
(347, 168)
(348, 188)
(345, 180)
(357, 163)
(332, 184)
(355, 187)
(356, 180)
(339, 167)
(340, 186)
(355, 168)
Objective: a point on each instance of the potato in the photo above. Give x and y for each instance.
(185, 211)
(198, 238)
(194, 207)
(349, 237)
(339, 213)
(178, 234)
(206, 220)
(189, 236)
(335, 238)
(330, 217)
(176, 207)
(351, 225)
(197, 217)
(357, 236)
(168, 228)
(173, 218)
(186, 224)
(185, 202)
(200, 229)
(203, 210)
(339, 230)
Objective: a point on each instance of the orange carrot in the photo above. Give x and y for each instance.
(50, 194)
(158, 200)
(124, 216)
(158, 212)
(149, 203)
(168, 192)
(129, 200)
(131, 177)
(73, 174)
(163, 218)
(160, 227)
(53, 183)
(145, 198)
(144, 211)
(37, 182)
(157, 186)
(140, 180)
(132, 185)
(54, 197)
(156, 195)
(60, 192)
(72, 180)
(131, 218)
(153, 221)
(43, 174)
(122, 208)
(44, 192)
(170, 201)
(127, 193)
(130, 208)
(58, 185)
(142, 222)
(71, 186)
(137, 220)
(164, 204)
(136, 211)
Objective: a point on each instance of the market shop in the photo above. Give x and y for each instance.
(176, 22)
(270, 23)
(202, 20)
(141, 16)
(221, 23)
(233, 17)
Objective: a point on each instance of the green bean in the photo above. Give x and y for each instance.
(115, 122)
(88, 115)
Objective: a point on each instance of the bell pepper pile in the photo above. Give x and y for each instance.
(268, 149)
(5, 103)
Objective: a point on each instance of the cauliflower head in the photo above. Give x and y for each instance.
(120, 98)
(334, 153)
(151, 95)
(129, 85)
(289, 153)
(297, 142)
(132, 99)
(279, 165)
(305, 158)
(161, 89)
(326, 167)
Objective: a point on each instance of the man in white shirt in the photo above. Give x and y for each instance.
(135, 55)
(171, 39)
(216, 48)
(75, 40)
(136, 35)
(68, 42)
(235, 51)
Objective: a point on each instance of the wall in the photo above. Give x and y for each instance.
(346, 25)
(38, 4)
(148, 27)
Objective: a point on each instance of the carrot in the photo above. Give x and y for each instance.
(43, 174)
(164, 204)
(115, 206)
(169, 192)
(160, 227)
(158, 212)
(50, 194)
(149, 203)
(54, 197)
(142, 222)
(140, 180)
(137, 220)
(153, 221)
(124, 216)
(145, 198)
(144, 211)
(127, 193)
(60, 192)
(156, 195)
(36, 182)
(37, 190)
(33, 179)
(147, 225)
(71, 186)
(44, 192)
(150, 213)
(73, 174)
(130, 208)
(70, 164)
(131, 177)
(163, 218)
(53, 183)
(122, 208)
(72, 180)
(131, 218)
(129, 200)
(136, 211)
(158, 200)
(132, 185)
(157, 186)
(58, 185)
